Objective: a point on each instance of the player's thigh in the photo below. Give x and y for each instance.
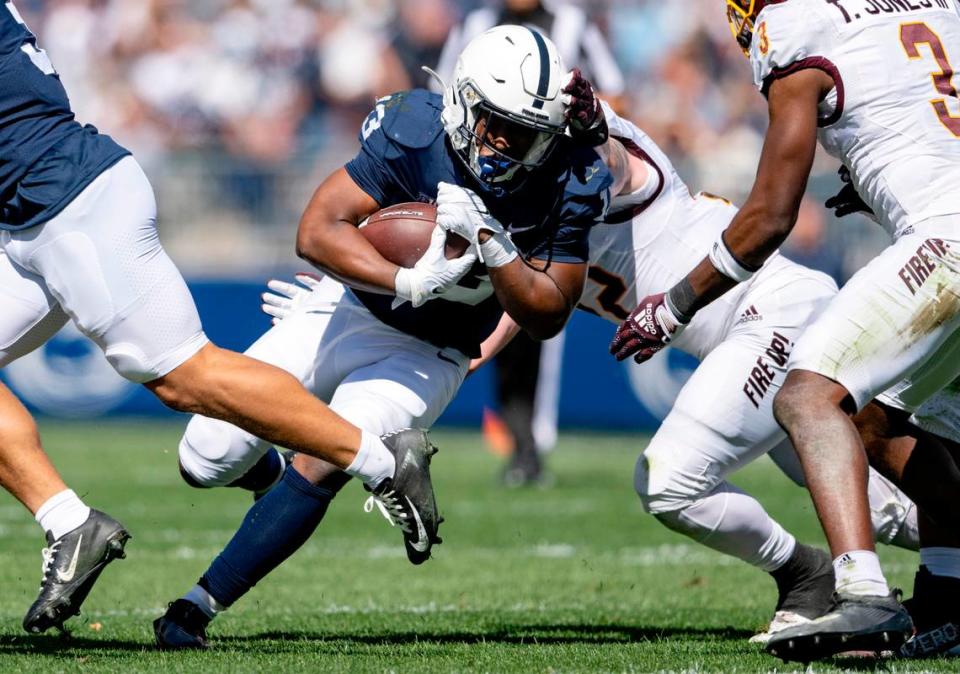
(409, 388)
(102, 259)
(888, 320)
(31, 315)
(721, 420)
(216, 453)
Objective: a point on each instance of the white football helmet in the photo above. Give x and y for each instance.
(510, 79)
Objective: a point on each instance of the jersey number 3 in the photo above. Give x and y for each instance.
(912, 35)
(37, 56)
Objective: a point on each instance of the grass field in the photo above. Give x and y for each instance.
(573, 578)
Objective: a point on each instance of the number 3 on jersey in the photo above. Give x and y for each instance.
(912, 35)
(37, 56)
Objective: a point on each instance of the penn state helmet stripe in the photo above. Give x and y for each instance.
(544, 84)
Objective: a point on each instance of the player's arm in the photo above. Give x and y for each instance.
(328, 237)
(538, 296)
(504, 333)
(770, 211)
(759, 228)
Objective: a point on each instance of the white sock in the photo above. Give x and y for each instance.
(941, 561)
(374, 463)
(62, 513)
(858, 572)
(197, 595)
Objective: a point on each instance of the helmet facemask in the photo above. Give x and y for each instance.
(524, 144)
(741, 15)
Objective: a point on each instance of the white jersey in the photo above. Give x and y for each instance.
(654, 245)
(893, 117)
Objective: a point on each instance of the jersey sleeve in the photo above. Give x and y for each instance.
(788, 37)
(584, 205)
(371, 169)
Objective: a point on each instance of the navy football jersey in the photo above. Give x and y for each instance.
(404, 154)
(46, 157)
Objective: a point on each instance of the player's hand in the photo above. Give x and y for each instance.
(847, 200)
(461, 211)
(286, 298)
(583, 111)
(433, 274)
(647, 330)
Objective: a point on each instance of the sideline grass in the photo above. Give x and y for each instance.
(573, 578)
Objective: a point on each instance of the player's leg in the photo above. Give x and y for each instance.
(81, 541)
(882, 326)
(102, 259)
(893, 514)
(718, 424)
(411, 387)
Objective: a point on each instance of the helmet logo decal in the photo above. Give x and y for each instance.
(544, 84)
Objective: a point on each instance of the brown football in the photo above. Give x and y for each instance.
(401, 233)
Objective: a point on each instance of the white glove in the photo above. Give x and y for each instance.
(462, 212)
(433, 274)
(286, 298)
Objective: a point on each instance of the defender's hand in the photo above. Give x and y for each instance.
(647, 330)
(286, 298)
(433, 274)
(584, 114)
(847, 200)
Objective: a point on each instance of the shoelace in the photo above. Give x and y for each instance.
(48, 554)
(390, 508)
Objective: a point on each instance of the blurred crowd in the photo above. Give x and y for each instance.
(237, 108)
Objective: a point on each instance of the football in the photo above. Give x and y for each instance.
(401, 233)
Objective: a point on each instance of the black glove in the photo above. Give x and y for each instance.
(583, 111)
(847, 200)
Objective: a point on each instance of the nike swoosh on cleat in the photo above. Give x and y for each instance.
(66, 577)
(422, 543)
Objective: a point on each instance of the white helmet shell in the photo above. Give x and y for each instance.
(513, 72)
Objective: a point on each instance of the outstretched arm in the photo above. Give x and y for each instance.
(756, 231)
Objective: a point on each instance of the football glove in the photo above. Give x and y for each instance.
(286, 298)
(462, 211)
(583, 111)
(433, 274)
(647, 330)
(848, 200)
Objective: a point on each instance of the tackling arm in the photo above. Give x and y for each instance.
(506, 330)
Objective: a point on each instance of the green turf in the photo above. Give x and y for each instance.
(573, 578)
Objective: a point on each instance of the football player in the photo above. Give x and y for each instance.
(492, 152)
(874, 81)
(722, 419)
(78, 241)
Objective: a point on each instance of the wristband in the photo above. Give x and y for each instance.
(498, 250)
(725, 263)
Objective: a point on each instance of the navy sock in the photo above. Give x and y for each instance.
(262, 474)
(275, 527)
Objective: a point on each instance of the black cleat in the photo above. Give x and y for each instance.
(407, 499)
(856, 623)
(804, 588)
(71, 565)
(935, 609)
(182, 627)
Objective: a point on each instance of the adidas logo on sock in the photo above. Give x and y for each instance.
(750, 314)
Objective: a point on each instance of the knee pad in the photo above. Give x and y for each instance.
(215, 453)
(666, 490)
(130, 363)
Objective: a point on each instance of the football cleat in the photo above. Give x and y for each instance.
(936, 617)
(856, 623)
(182, 627)
(407, 499)
(71, 565)
(805, 590)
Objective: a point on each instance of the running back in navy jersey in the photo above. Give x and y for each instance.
(404, 155)
(46, 157)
